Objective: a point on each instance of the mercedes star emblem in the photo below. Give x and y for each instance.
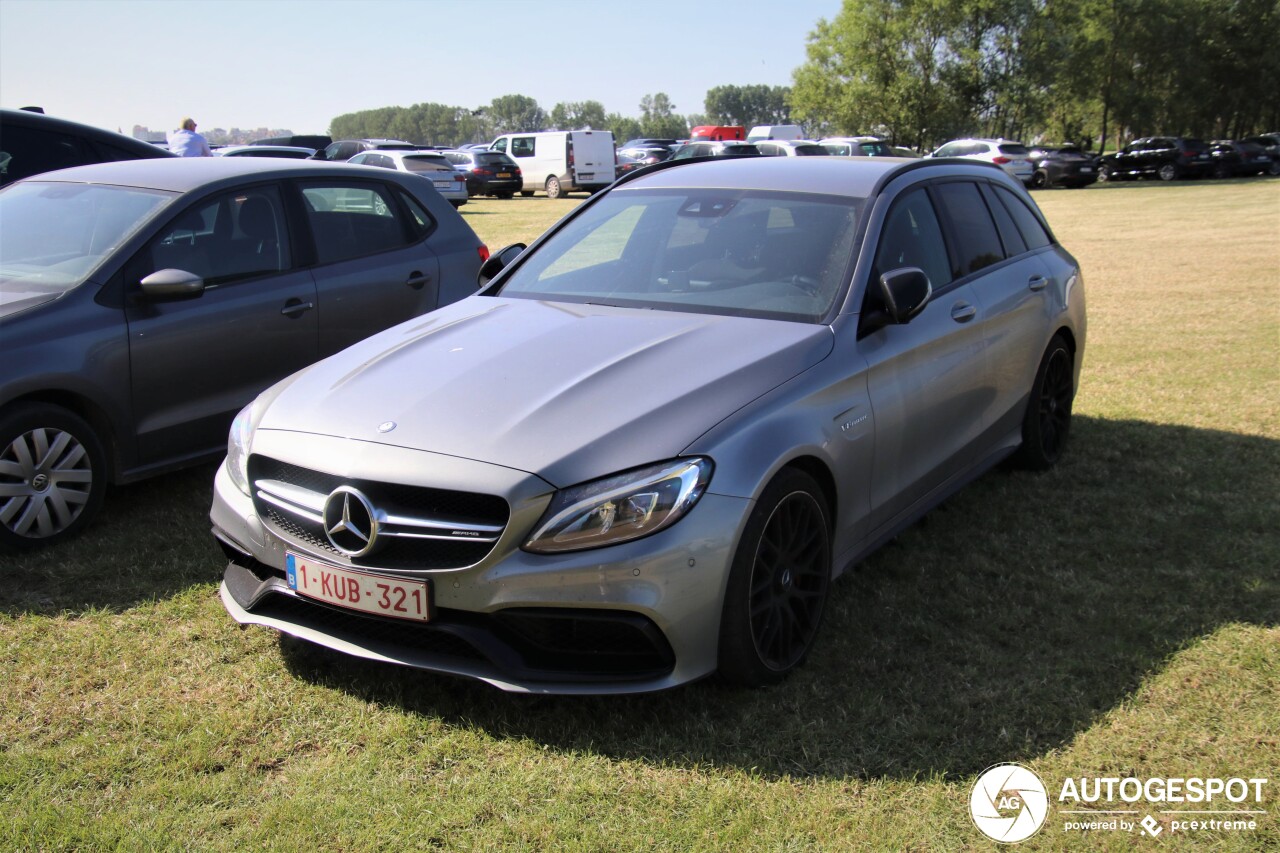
(350, 521)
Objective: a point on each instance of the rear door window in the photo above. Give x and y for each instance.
(1029, 226)
(353, 219)
(977, 243)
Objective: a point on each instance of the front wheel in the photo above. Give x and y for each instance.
(1105, 174)
(52, 475)
(1048, 417)
(553, 188)
(1039, 180)
(778, 583)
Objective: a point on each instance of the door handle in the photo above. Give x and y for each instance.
(296, 308)
(963, 312)
(1038, 282)
(416, 280)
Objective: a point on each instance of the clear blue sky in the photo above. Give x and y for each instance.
(299, 63)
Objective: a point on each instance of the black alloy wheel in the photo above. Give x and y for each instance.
(1047, 421)
(778, 584)
(1039, 180)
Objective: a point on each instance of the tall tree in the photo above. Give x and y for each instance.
(658, 118)
(514, 114)
(748, 105)
(577, 115)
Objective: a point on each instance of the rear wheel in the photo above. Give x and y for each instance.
(52, 475)
(1221, 171)
(553, 188)
(1168, 172)
(778, 583)
(1039, 180)
(1048, 417)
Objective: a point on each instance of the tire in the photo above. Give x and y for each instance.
(1222, 171)
(1047, 421)
(1168, 172)
(1039, 180)
(778, 583)
(1274, 168)
(53, 474)
(553, 188)
(1105, 175)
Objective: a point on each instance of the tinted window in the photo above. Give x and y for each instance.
(912, 237)
(978, 244)
(1009, 234)
(238, 235)
(523, 146)
(1028, 224)
(809, 151)
(1013, 149)
(352, 220)
(25, 152)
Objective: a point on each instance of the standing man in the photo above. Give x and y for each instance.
(187, 143)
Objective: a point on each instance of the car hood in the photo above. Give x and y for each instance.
(14, 299)
(565, 391)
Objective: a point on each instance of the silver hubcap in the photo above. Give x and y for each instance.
(45, 480)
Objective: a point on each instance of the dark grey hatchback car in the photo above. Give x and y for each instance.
(143, 304)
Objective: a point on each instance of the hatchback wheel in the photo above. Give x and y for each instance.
(52, 475)
(553, 188)
(778, 583)
(1048, 417)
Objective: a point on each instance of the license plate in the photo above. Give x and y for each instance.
(382, 596)
(586, 176)
(504, 174)
(443, 185)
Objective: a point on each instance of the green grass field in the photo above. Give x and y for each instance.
(1117, 616)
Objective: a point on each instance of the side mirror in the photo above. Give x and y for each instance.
(498, 261)
(171, 283)
(906, 291)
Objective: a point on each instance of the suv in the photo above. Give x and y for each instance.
(1013, 157)
(1166, 157)
(345, 149)
(31, 143)
(1235, 159)
(1270, 143)
(1066, 166)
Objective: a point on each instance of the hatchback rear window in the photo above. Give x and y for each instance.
(424, 163)
(1013, 149)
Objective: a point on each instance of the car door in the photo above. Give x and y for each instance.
(197, 360)
(374, 266)
(926, 379)
(1015, 292)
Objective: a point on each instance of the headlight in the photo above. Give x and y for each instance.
(620, 508)
(238, 446)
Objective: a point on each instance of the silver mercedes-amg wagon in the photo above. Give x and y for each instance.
(643, 451)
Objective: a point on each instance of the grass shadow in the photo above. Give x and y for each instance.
(151, 541)
(1000, 627)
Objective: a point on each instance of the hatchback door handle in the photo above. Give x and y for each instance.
(1038, 282)
(417, 280)
(296, 308)
(963, 312)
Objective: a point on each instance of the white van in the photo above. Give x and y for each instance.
(561, 161)
(775, 131)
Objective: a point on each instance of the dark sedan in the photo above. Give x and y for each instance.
(142, 304)
(488, 172)
(1066, 166)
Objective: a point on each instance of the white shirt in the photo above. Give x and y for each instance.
(188, 143)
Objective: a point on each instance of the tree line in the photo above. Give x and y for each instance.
(921, 72)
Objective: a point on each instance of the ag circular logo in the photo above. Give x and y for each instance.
(1009, 803)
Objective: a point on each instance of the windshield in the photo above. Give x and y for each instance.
(744, 253)
(52, 235)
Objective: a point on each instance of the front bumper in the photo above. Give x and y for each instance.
(635, 617)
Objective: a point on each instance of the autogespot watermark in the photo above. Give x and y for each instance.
(1010, 803)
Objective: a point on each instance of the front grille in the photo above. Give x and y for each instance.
(417, 503)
